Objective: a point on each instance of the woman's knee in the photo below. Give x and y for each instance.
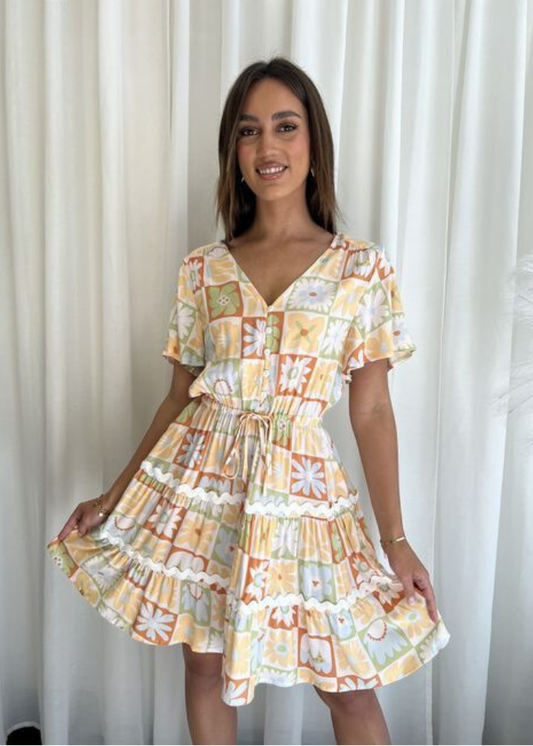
(353, 701)
(203, 666)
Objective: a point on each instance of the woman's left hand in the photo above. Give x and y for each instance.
(412, 574)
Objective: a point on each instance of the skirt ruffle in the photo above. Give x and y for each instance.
(288, 595)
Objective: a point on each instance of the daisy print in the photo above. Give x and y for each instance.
(308, 477)
(185, 318)
(193, 444)
(195, 269)
(285, 539)
(284, 615)
(359, 262)
(253, 337)
(235, 692)
(294, 374)
(258, 576)
(313, 294)
(154, 622)
(335, 336)
(166, 519)
(372, 312)
(350, 683)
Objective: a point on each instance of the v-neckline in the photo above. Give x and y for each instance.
(256, 292)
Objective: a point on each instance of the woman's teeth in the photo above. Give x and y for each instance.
(272, 173)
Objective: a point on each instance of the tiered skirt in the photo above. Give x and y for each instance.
(284, 583)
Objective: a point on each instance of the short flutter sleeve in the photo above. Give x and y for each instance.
(185, 335)
(378, 329)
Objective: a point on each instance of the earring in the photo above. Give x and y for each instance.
(312, 172)
(242, 178)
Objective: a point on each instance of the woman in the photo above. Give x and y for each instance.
(235, 529)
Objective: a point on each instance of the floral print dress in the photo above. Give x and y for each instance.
(242, 532)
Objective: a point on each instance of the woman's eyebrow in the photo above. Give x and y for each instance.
(277, 115)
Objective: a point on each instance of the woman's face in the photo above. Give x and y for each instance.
(266, 138)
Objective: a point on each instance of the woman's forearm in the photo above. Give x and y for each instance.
(377, 442)
(166, 413)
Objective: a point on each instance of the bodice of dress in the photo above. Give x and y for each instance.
(291, 357)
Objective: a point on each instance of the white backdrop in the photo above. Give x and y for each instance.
(108, 160)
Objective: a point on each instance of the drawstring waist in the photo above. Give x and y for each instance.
(251, 421)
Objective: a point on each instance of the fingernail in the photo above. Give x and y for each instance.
(412, 600)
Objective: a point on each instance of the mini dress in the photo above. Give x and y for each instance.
(242, 532)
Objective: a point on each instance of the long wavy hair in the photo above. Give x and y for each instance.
(235, 201)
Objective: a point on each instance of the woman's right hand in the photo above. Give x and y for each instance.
(85, 517)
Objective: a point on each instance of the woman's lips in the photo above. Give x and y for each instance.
(273, 176)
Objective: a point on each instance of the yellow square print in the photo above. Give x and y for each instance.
(262, 537)
(301, 331)
(216, 450)
(252, 382)
(168, 444)
(279, 650)
(407, 664)
(226, 335)
(125, 598)
(278, 478)
(238, 659)
(187, 629)
(317, 623)
(314, 541)
(357, 657)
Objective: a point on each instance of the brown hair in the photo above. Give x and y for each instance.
(235, 201)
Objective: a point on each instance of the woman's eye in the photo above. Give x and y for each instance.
(242, 132)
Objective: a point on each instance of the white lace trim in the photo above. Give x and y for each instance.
(329, 511)
(298, 509)
(170, 572)
(226, 498)
(235, 603)
(293, 599)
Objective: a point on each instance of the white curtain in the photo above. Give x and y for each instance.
(108, 160)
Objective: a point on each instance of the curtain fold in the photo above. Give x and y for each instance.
(108, 161)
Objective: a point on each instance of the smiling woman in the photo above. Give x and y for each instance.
(241, 534)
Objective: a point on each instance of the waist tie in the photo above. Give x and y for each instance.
(247, 420)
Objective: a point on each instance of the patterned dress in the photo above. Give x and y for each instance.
(242, 532)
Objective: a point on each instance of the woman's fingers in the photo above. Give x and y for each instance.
(425, 587)
(84, 518)
(408, 587)
(71, 523)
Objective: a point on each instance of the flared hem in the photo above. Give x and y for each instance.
(239, 691)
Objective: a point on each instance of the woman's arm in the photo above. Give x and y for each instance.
(374, 427)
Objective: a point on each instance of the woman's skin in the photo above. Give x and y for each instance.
(283, 228)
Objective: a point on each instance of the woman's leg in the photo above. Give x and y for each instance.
(356, 716)
(210, 720)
